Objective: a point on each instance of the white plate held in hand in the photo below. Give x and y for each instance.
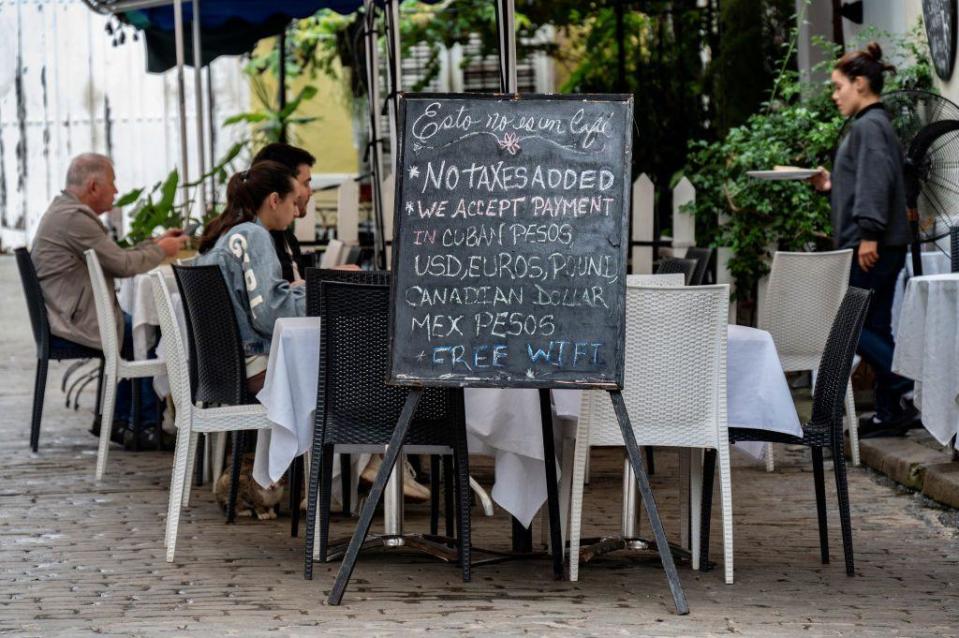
(784, 173)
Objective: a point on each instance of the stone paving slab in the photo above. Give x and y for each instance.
(77, 558)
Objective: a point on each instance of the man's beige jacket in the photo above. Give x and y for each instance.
(66, 230)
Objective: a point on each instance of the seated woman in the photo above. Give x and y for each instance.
(258, 200)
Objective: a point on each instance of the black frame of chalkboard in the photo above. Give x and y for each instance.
(512, 382)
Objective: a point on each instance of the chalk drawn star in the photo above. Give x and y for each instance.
(530, 374)
(409, 208)
(414, 172)
(421, 355)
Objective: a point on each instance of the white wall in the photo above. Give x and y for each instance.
(59, 76)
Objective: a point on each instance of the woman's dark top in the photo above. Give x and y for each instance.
(868, 187)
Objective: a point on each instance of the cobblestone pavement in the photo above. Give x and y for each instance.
(77, 558)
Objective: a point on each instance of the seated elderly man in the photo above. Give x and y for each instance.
(68, 228)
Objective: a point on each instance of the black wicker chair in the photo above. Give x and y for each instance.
(823, 430)
(672, 265)
(355, 407)
(314, 307)
(45, 349)
(705, 259)
(217, 363)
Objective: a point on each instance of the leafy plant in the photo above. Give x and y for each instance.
(798, 126)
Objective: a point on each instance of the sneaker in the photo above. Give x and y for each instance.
(874, 426)
(412, 490)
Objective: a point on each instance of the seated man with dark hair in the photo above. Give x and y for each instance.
(300, 163)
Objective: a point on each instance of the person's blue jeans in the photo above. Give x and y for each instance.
(123, 408)
(876, 343)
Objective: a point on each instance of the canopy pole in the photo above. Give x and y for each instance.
(181, 98)
(395, 78)
(198, 91)
(506, 25)
(281, 79)
(376, 163)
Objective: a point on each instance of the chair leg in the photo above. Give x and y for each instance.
(684, 497)
(97, 411)
(434, 494)
(465, 511)
(190, 460)
(296, 495)
(820, 481)
(316, 459)
(709, 472)
(650, 467)
(106, 423)
(184, 434)
(695, 505)
(726, 493)
(234, 475)
(200, 459)
(448, 500)
(346, 483)
(326, 491)
(770, 462)
(137, 425)
(39, 388)
(842, 489)
(580, 456)
(853, 424)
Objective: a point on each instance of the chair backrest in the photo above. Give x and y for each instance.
(217, 362)
(836, 363)
(353, 256)
(103, 300)
(174, 348)
(704, 258)
(669, 265)
(35, 304)
(801, 298)
(671, 279)
(315, 276)
(355, 405)
(675, 377)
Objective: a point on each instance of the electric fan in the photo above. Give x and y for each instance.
(927, 126)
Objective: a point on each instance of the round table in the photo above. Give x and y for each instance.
(927, 350)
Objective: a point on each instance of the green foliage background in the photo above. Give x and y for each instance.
(797, 126)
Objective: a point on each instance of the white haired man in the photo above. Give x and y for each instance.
(68, 228)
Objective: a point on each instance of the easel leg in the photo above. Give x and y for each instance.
(635, 457)
(552, 487)
(376, 493)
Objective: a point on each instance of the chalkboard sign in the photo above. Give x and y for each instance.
(509, 249)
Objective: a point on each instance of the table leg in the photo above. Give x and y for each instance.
(662, 545)
(552, 487)
(376, 493)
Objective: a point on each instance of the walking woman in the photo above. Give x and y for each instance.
(869, 216)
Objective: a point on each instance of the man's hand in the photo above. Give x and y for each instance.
(868, 254)
(173, 232)
(172, 243)
(821, 181)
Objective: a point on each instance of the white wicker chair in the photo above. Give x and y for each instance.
(190, 419)
(801, 300)
(675, 391)
(115, 367)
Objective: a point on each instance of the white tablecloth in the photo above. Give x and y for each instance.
(927, 350)
(933, 263)
(504, 424)
(136, 299)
